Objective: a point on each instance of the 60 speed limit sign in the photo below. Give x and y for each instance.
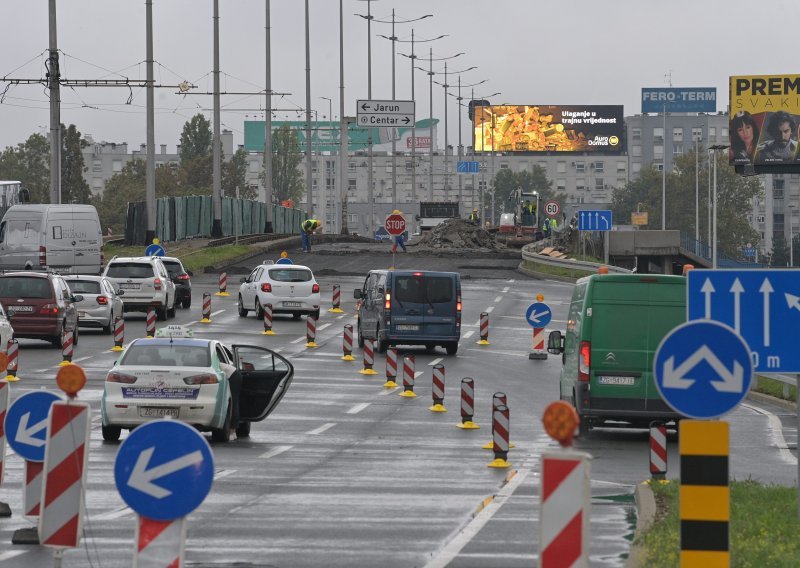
(551, 208)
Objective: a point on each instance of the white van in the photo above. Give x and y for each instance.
(65, 238)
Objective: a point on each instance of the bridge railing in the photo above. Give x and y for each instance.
(574, 268)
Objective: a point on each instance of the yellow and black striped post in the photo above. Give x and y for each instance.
(704, 495)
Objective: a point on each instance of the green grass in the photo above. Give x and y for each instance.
(763, 530)
(194, 259)
(775, 388)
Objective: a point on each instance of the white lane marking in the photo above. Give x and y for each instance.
(490, 309)
(469, 334)
(449, 552)
(277, 450)
(278, 349)
(339, 317)
(498, 298)
(321, 429)
(511, 281)
(323, 326)
(435, 361)
(115, 514)
(11, 554)
(776, 430)
(216, 313)
(417, 374)
(384, 392)
(357, 408)
(224, 473)
(79, 359)
(299, 339)
(505, 289)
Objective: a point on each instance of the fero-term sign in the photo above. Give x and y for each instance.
(385, 113)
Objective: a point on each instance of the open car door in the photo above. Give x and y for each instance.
(265, 379)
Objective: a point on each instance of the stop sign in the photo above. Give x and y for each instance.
(395, 224)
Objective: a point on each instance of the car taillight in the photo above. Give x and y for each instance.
(458, 303)
(584, 361)
(49, 309)
(315, 289)
(117, 377)
(204, 379)
(183, 277)
(387, 303)
(157, 283)
(102, 300)
(266, 287)
(42, 256)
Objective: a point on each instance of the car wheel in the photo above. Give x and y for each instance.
(430, 347)
(58, 339)
(161, 314)
(242, 310)
(296, 315)
(360, 336)
(107, 329)
(584, 426)
(111, 433)
(452, 348)
(222, 435)
(243, 430)
(316, 315)
(187, 303)
(75, 336)
(382, 344)
(171, 312)
(259, 310)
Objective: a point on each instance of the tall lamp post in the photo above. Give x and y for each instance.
(370, 189)
(483, 150)
(323, 190)
(459, 98)
(714, 255)
(791, 238)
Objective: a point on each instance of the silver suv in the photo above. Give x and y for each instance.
(146, 283)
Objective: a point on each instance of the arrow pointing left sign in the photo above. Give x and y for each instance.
(142, 478)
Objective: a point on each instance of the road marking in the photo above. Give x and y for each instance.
(323, 326)
(79, 359)
(277, 450)
(216, 313)
(435, 361)
(115, 514)
(11, 554)
(278, 349)
(469, 334)
(339, 317)
(498, 298)
(505, 289)
(417, 374)
(511, 281)
(776, 429)
(384, 392)
(490, 309)
(358, 408)
(224, 473)
(299, 339)
(321, 429)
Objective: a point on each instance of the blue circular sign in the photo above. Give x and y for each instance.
(154, 250)
(538, 315)
(164, 469)
(703, 369)
(26, 423)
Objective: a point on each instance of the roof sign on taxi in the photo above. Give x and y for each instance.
(174, 330)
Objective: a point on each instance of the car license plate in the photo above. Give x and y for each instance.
(21, 308)
(129, 286)
(157, 412)
(81, 314)
(629, 381)
(291, 304)
(407, 327)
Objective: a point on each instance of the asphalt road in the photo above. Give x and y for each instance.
(347, 473)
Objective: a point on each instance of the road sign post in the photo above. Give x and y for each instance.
(394, 114)
(468, 167)
(395, 224)
(538, 316)
(589, 220)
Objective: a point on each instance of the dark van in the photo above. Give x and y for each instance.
(614, 326)
(405, 307)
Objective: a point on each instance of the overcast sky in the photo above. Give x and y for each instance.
(532, 51)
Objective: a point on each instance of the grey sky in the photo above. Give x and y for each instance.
(533, 51)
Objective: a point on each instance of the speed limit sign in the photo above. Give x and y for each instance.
(551, 208)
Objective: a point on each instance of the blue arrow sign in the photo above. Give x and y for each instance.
(26, 424)
(589, 220)
(164, 469)
(703, 369)
(154, 250)
(538, 315)
(763, 306)
(463, 167)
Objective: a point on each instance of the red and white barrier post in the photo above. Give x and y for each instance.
(467, 404)
(311, 331)
(206, 308)
(501, 430)
(484, 329)
(150, 323)
(658, 450)
(5, 510)
(498, 399)
(119, 334)
(409, 374)
(391, 368)
(336, 300)
(347, 343)
(159, 543)
(538, 351)
(223, 285)
(437, 389)
(67, 348)
(267, 308)
(369, 357)
(13, 361)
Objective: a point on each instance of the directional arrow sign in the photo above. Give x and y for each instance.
(164, 470)
(26, 424)
(384, 113)
(703, 369)
(591, 220)
(538, 315)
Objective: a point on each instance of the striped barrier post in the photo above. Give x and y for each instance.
(32, 492)
(160, 543)
(13, 360)
(336, 300)
(119, 334)
(347, 343)
(467, 404)
(498, 399)
(484, 329)
(223, 285)
(391, 368)
(5, 510)
(64, 474)
(206, 308)
(150, 323)
(538, 351)
(408, 377)
(369, 357)
(437, 389)
(704, 493)
(267, 308)
(67, 348)
(311, 331)
(501, 429)
(658, 450)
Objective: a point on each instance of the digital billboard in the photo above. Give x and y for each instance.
(764, 120)
(547, 128)
(679, 99)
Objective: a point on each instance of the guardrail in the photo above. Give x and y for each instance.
(568, 264)
(786, 380)
(247, 239)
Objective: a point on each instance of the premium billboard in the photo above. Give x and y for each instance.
(679, 99)
(764, 120)
(540, 129)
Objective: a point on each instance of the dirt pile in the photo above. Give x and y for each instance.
(458, 234)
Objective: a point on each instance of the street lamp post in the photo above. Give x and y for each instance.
(323, 190)
(459, 98)
(791, 238)
(714, 255)
(446, 138)
(370, 189)
(309, 183)
(483, 152)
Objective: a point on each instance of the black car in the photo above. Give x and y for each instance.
(182, 279)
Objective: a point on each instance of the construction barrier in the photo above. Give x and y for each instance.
(658, 450)
(206, 308)
(437, 389)
(391, 368)
(32, 492)
(336, 309)
(498, 399)
(223, 285)
(501, 429)
(369, 357)
(4, 391)
(267, 309)
(67, 348)
(467, 404)
(150, 323)
(347, 343)
(311, 331)
(538, 351)
(119, 334)
(408, 376)
(12, 351)
(160, 543)
(484, 329)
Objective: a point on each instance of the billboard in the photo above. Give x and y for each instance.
(679, 99)
(764, 118)
(539, 129)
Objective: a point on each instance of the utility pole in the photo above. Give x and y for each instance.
(309, 183)
(216, 227)
(268, 124)
(54, 85)
(150, 164)
(342, 124)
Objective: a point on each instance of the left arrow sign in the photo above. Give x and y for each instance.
(142, 478)
(26, 435)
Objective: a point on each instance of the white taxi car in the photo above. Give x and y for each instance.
(290, 288)
(6, 331)
(176, 375)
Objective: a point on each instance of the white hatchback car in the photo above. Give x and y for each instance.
(290, 288)
(146, 283)
(101, 303)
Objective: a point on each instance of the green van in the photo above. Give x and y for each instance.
(614, 326)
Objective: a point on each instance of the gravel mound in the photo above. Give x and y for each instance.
(457, 234)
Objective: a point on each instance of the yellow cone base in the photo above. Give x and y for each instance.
(205, 320)
(390, 384)
(311, 344)
(437, 408)
(64, 363)
(348, 358)
(336, 311)
(483, 342)
(368, 372)
(117, 348)
(12, 378)
(270, 332)
(490, 445)
(148, 337)
(408, 394)
(223, 294)
(468, 425)
(499, 463)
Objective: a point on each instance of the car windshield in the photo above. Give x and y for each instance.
(290, 275)
(173, 268)
(424, 289)
(84, 286)
(22, 287)
(142, 354)
(130, 270)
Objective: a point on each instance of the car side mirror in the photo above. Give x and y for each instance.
(416, 217)
(190, 273)
(555, 343)
(77, 298)
(357, 293)
(242, 280)
(381, 290)
(120, 292)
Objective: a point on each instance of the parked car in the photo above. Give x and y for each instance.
(405, 307)
(40, 305)
(6, 331)
(182, 280)
(101, 302)
(66, 238)
(146, 284)
(175, 375)
(290, 288)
